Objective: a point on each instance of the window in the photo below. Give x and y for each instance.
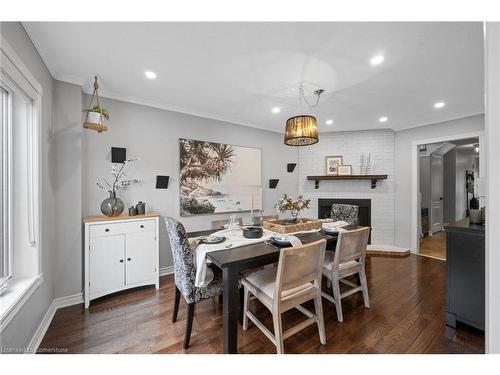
(20, 246)
(5, 269)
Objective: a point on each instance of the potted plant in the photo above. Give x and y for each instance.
(97, 114)
(286, 203)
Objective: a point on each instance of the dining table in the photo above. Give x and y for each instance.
(234, 261)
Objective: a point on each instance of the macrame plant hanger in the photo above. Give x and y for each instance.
(100, 127)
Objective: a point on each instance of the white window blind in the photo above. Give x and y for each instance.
(5, 256)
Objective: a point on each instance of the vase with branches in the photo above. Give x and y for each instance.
(113, 206)
(287, 203)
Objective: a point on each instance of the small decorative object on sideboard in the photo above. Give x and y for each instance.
(113, 206)
(286, 203)
(140, 208)
(132, 211)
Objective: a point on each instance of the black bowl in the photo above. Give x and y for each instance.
(253, 232)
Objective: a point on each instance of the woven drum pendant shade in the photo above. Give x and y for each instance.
(301, 131)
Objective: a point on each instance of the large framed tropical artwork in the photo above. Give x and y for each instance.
(218, 178)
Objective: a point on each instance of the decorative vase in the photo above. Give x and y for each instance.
(294, 219)
(112, 206)
(140, 208)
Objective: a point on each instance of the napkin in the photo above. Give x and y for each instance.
(194, 242)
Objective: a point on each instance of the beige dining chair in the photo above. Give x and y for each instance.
(296, 280)
(218, 224)
(348, 259)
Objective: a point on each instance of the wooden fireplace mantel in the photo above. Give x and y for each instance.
(372, 177)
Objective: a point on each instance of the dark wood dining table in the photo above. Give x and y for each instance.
(233, 262)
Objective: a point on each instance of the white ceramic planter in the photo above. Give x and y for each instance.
(95, 118)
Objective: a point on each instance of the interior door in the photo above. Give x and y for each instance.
(141, 257)
(107, 263)
(436, 193)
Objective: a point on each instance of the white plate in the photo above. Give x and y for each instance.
(281, 240)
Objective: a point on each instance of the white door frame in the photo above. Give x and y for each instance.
(414, 176)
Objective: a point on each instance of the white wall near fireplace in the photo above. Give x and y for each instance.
(351, 145)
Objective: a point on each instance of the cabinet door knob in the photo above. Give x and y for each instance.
(129, 259)
(121, 260)
(142, 226)
(106, 230)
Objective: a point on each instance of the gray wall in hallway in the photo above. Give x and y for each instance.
(21, 329)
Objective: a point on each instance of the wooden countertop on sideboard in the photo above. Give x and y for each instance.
(97, 218)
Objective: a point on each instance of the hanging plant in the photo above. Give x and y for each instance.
(98, 109)
(97, 113)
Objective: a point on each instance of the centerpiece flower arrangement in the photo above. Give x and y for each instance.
(113, 206)
(287, 203)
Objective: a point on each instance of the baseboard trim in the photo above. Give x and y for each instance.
(74, 299)
(166, 270)
(42, 329)
(57, 303)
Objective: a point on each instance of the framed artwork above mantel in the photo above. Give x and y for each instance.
(218, 178)
(332, 164)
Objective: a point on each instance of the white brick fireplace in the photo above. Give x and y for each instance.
(351, 145)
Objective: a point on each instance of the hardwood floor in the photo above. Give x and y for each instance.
(407, 297)
(434, 246)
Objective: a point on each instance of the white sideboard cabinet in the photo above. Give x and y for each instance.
(120, 253)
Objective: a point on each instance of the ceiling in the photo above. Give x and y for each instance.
(238, 72)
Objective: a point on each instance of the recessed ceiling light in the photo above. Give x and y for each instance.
(439, 105)
(383, 119)
(276, 110)
(376, 60)
(329, 122)
(149, 74)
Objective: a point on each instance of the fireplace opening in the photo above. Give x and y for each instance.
(364, 210)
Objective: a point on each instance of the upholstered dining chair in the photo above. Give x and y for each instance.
(345, 212)
(185, 275)
(348, 259)
(296, 280)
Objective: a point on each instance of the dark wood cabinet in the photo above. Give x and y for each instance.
(465, 274)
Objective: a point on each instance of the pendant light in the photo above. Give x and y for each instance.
(302, 130)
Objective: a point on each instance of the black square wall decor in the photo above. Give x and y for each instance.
(290, 167)
(118, 154)
(273, 183)
(162, 182)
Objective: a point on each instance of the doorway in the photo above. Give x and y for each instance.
(445, 179)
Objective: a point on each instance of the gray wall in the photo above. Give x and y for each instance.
(153, 135)
(403, 166)
(67, 142)
(449, 186)
(21, 329)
